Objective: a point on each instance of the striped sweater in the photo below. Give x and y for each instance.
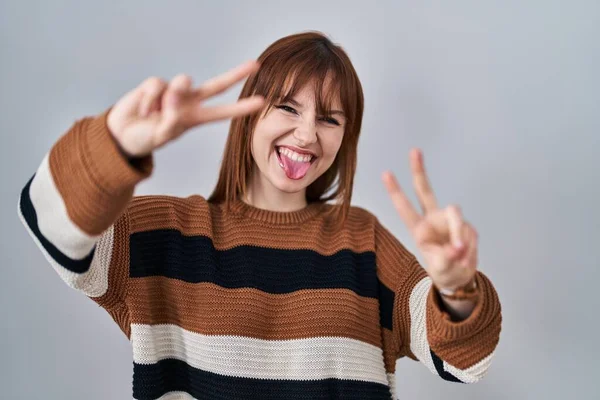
(240, 302)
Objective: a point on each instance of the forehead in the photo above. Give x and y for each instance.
(308, 95)
(321, 94)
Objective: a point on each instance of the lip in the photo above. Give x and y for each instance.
(299, 151)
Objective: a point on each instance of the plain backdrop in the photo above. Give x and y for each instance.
(502, 96)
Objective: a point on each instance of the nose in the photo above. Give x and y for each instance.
(305, 134)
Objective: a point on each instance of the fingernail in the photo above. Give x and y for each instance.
(459, 245)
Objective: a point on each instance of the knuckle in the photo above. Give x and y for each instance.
(180, 82)
(454, 209)
(184, 78)
(153, 82)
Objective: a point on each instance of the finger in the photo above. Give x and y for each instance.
(426, 233)
(178, 87)
(220, 83)
(437, 220)
(471, 257)
(421, 183)
(128, 105)
(455, 226)
(153, 89)
(407, 212)
(242, 107)
(438, 257)
(453, 254)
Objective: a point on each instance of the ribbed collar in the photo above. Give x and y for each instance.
(276, 217)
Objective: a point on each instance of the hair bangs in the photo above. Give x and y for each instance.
(317, 69)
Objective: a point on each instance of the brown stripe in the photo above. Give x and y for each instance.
(95, 181)
(121, 317)
(194, 216)
(394, 262)
(390, 350)
(391, 353)
(213, 310)
(465, 343)
(402, 323)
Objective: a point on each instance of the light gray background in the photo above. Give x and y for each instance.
(503, 96)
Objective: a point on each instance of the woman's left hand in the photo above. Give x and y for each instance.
(447, 243)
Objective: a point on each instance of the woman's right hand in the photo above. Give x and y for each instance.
(157, 112)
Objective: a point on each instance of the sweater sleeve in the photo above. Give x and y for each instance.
(75, 209)
(421, 329)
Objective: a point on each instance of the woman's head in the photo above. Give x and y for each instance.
(314, 105)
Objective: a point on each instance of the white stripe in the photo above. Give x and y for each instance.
(392, 383)
(50, 211)
(94, 282)
(472, 374)
(295, 359)
(176, 396)
(418, 324)
(419, 344)
(53, 221)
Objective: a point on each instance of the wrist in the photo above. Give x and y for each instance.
(469, 291)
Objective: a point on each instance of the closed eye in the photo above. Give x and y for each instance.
(287, 108)
(330, 120)
(292, 110)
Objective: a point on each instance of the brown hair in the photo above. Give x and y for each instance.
(286, 66)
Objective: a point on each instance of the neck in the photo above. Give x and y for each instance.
(262, 194)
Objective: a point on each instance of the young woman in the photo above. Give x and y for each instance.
(274, 287)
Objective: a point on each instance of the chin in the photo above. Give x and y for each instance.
(291, 186)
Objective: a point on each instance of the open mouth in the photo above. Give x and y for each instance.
(295, 165)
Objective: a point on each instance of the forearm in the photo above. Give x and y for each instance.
(90, 176)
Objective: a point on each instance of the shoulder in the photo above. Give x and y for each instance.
(362, 222)
(168, 210)
(359, 222)
(161, 201)
(359, 217)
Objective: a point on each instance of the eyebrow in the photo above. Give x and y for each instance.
(295, 103)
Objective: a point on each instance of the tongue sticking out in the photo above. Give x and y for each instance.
(294, 169)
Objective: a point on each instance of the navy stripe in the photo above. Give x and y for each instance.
(386, 306)
(439, 366)
(194, 259)
(30, 216)
(154, 380)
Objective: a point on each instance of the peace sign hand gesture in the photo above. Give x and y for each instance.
(448, 243)
(158, 112)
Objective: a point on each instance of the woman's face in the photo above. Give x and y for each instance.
(293, 145)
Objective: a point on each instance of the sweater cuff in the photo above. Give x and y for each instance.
(107, 165)
(440, 324)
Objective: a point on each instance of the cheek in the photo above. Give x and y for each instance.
(260, 139)
(331, 144)
(269, 130)
(253, 144)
